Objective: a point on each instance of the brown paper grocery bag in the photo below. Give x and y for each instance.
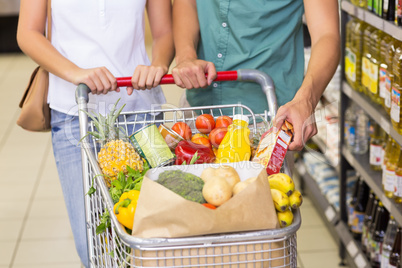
(162, 213)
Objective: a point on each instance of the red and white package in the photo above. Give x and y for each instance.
(272, 148)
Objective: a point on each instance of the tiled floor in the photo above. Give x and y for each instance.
(34, 229)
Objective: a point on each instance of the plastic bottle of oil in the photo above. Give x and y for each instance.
(386, 76)
(373, 92)
(370, 4)
(366, 59)
(350, 57)
(376, 144)
(378, 7)
(356, 49)
(398, 181)
(391, 158)
(396, 89)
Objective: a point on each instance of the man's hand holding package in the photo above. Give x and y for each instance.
(300, 113)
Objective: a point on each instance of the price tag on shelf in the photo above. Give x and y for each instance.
(352, 248)
(360, 261)
(385, 125)
(360, 13)
(330, 213)
(347, 90)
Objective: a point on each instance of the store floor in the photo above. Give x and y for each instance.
(34, 227)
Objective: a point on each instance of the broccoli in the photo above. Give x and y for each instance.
(184, 184)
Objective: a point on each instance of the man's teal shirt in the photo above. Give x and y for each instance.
(266, 35)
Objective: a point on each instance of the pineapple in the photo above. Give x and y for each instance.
(116, 151)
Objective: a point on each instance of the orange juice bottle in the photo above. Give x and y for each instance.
(373, 91)
(235, 146)
(396, 89)
(366, 59)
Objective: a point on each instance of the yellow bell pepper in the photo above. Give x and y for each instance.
(125, 208)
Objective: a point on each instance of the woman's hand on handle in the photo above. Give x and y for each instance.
(146, 77)
(99, 80)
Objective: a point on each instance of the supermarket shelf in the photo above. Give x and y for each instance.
(337, 228)
(375, 111)
(353, 248)
(312, 188)
(320, 143)
(374, 181)
(364, 15)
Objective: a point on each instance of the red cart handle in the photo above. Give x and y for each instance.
(168, 78)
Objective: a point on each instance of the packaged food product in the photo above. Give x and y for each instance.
(273, 146)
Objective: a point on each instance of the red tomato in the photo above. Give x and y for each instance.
(217, 134)
(223, 121)
(205, 123)
(203, 141)
(207, 205)
(183, 130)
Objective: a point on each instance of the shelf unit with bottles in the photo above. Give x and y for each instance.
(361, 162)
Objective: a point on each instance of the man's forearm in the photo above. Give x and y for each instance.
(186, 29)
(324, 60)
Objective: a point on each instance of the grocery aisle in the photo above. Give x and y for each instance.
(34, 228)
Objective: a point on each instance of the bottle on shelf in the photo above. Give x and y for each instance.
(398, 17)
(352, 203)
(350, 56)
(366, 59)
(370, 228)
(373, 90)
(378, 7)
(384, 145)
(359, 210)
(398, 181)
(377, 136)
(370, 4)
(381, 223)
(356, 129)
(356, 50)
(396, 89)
(368, 215)
(395, 257)
(389, 239)
(386, 76)
(389, 10)
(391, 158)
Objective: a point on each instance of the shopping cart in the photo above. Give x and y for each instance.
(117, 248)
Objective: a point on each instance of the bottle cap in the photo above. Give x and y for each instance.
(240, 117)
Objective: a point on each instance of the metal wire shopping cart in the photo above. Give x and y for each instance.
(117, 248)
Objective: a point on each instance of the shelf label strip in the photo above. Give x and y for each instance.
(330, 213)
(352, 249)
(360, 261)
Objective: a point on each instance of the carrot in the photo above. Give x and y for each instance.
(207, 205)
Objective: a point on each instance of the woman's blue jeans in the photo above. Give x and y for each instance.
(67, 153)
